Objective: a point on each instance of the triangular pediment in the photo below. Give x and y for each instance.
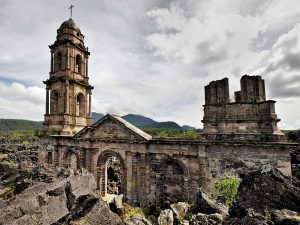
(112, 127)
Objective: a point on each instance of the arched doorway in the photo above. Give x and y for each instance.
(71, 159)
(111, 174)
(171, 179)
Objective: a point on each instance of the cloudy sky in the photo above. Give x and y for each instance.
(153, 57)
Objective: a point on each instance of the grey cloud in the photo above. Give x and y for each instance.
(127, 76)
(266, 38)
(208, 55)
(283, 87)
(253, 7)
(290, 60)
(237, 71)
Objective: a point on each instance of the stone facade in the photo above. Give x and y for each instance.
(155, 171)
(237, 136)
(249, 117)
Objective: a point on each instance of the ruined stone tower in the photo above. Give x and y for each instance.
(68, 93)
(249, 117)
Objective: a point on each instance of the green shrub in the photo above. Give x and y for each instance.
(25, 143)
(227, 187)
(191, 133)
(172, 133)
(10, 164)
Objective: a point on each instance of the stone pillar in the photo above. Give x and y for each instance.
(67, 100)
(60, 157)
(93, 162)
(135, 187)
(68, 59)
(128, 197)
(56, 156)
(90, 104)
(75, 107)
(51, 63)
(88, 159)
(143, 182)
(86, 67)
(47, 100)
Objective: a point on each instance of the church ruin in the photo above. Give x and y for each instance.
(237, 135)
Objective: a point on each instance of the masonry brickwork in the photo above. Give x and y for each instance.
(237, 135)
(249, 117)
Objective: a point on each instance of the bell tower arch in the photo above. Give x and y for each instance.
(68, 92)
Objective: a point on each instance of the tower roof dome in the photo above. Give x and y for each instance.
(70, 24)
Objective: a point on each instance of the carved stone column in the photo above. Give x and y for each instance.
(47, 100)
(128, 195)
(67, 100)
(67, 59)
(86, 66)
(90, 104)
(51, 63)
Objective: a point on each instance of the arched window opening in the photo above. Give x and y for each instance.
(59, 61)
(171, 182)
(54, 102)
(78, 64)
(80, 105)
(113, 174)
(71, 159)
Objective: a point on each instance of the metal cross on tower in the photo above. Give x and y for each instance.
(71, 9)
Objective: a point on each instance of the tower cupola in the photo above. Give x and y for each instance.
(68, 30)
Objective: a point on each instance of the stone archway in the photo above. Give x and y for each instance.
(71, 159)
(171, 178)
(103, 171)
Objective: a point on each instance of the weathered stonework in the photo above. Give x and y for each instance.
(237, 136)
(155, 171)
(68, 93)
(249, 117)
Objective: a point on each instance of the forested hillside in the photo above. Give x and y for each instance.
(17, 125)
(150, 126)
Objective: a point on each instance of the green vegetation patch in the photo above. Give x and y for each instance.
(172, 133)
(10, 164)
(6, 192)
(286, 213)
(19, 134)
(130, 211)
(228, 187)
(16, 125)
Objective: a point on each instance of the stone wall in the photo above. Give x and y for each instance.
(161, 171)
(217, 92)
(250, 117)
(252, 89)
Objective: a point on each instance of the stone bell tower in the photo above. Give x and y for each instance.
(68, 93)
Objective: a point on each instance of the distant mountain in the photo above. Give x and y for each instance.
(187, 127)
(168, 125)
(138, 120)
(142, 121)
(96, 116)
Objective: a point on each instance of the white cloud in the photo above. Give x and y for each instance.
(18, 101)
(153, 57)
